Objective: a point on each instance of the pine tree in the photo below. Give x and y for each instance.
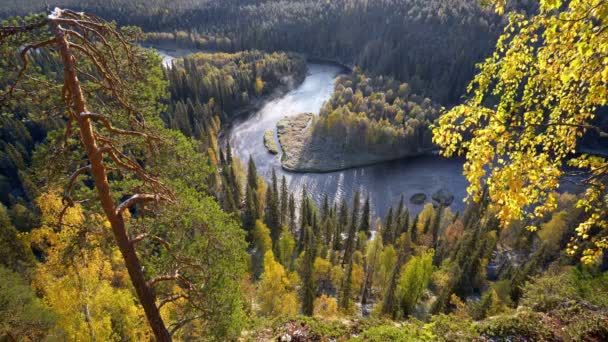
(342, 223)
(309, 288)
(228, 153)
(250, 214)
(346, 288)
(325, 209)
(414, 230)
(252, 174)
(365, 218)
(435, 225)
(272, 217)
(292, 214)
(387, 232)
(352, 231)
(284, 200)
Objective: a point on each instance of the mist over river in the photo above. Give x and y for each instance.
(384, 183)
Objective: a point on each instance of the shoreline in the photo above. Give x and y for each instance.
(305, 153)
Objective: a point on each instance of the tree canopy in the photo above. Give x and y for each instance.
(532, 101)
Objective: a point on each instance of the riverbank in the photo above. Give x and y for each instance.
(304, 151)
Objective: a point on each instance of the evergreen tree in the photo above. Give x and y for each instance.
(325, 209)
(284, 200)
(365, 218)
(387, 232)
(414, 229)
(309, 288)
(272, 217)
(349, 246)
(342, 223)
(252, 174)
(292, 214)
(346, 288)
(250, 214)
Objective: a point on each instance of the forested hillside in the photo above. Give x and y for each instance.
(206, 86)
(123, 218)
(432, 45)
(377, 114)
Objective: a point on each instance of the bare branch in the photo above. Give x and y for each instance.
(138, 238)
(171, 299)
(138, 198)
(164, 277)
(25, 62)
(72, 179)
(106, 123)
(180, 324)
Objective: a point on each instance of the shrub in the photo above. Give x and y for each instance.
(523, 326)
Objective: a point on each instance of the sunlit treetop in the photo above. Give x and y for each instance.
(527, 109)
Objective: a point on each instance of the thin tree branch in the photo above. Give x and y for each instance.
(180, 324)
(137, 198)
(164, 277)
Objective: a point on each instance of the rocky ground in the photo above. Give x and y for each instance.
(304, 151)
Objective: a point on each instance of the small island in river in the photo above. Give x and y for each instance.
(270, 143)
(306, 151)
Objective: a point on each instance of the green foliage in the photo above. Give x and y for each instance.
(522, 326)
(276, 290)
(362, 116)
(529, 106)
(452, 328)
(14, 252)
(413, 280)
(23, 316)
(208, 87)
(407, 332)
(554, 288)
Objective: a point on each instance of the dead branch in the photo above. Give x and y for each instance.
(180, 324)
(68, 190)
(25, 62)
(164, 277)
(106, 123)
(138, 198)
(171, 299)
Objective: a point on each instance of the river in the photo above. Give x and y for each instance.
(384, 183)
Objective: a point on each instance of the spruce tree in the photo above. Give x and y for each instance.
(346, 288)
(250, 214)
(342, 223)
(309, 289)
(365, 218)
(387, 232)
(252, 174)
(272, 217)
(352, 231)
(284, 202)
(292, 214)
(414, 230)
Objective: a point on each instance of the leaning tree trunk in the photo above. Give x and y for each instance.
(98, 169)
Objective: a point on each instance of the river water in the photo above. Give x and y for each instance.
(384, 183)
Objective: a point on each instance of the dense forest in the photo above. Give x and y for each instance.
(432, 45)
(376, 115)
(204, 86)
(123, 218)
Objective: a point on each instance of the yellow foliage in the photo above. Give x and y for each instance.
(549, 76)
(326, 307)
(259, 85)
(276, 290)
(83, 281)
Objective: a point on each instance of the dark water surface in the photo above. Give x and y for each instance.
(384, 183)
